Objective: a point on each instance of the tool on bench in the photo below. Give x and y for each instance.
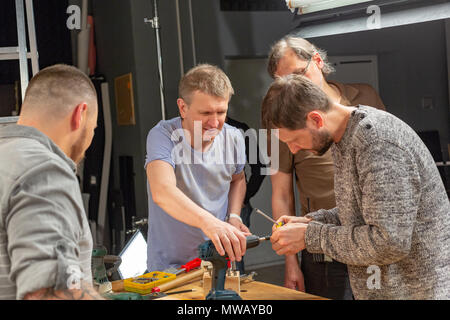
(191, 265)
(248, 277)
(136, 296)
(207, 251)
(186, 267)
(151, 282)
(180, 280)
(98, 265)
(145, 283)
(279, 224)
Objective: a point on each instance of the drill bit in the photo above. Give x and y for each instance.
(279, 224)
(265, 215)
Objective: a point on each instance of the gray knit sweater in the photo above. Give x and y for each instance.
(391, 224)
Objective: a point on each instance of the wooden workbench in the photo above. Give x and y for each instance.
(254, 290)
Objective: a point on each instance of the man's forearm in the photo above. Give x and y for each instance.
(326, 216)
(86, 292)
(171, 199)
(283, 202)
(236, 194)
(174, 202)
(282, 205)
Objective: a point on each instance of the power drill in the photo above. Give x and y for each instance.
(207, 251)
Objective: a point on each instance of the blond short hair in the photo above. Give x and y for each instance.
(207, 79)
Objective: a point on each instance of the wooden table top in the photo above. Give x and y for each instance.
(254, 290)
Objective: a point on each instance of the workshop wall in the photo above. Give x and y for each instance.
(412, 65)
(126, 44)
(115, 44)
(412, 59)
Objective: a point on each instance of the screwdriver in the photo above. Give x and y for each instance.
(279, 224)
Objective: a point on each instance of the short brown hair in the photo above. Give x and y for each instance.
(304, 50)
(205, 78)
(289, 100)
(57, 89)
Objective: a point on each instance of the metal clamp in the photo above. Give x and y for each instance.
(154, 22)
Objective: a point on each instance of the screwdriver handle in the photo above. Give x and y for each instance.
(192, 264)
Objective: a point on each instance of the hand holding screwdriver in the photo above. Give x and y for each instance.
(285, 220)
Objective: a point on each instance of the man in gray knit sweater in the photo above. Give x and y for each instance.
(391, 224)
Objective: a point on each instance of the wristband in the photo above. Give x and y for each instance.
(234, 215)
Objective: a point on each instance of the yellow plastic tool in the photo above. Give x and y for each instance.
(145, 283)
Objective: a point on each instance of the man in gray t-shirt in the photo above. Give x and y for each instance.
(196, 182)
(391, 221)
(45, 241)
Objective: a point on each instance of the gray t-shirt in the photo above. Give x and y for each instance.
(45, 240)
(204, 177)
(391, 225)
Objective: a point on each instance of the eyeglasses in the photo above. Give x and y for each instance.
(303, 72)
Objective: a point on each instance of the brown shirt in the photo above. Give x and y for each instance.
(315, 174)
